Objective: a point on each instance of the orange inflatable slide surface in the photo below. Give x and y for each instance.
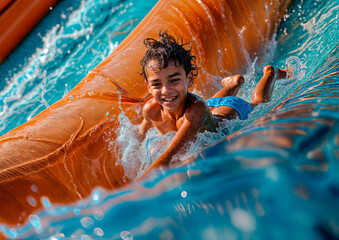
(17, 18)
(4, 4)
(64, 150)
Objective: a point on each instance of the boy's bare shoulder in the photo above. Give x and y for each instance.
(151, 109)
(196, 105)
(198, 112)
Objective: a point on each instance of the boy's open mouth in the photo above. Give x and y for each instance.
(169, 100)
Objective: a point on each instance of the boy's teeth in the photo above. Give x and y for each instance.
(169, 99)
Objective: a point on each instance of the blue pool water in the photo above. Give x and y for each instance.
(277, 179)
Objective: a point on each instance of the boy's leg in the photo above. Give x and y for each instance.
(264, 89)
(262, 92)
(231, 86)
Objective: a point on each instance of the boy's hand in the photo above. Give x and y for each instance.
(160, 162)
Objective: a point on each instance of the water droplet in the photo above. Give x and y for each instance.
(125, 235)
(34, 188)
(12, 233)
(242, 220)
(35, 221)
(85, 237)
(31, 200)
(45, 201)
(57, 236)
(96, 197)
(315, 114)
(98, 232)
(98, 215)
(87, 222)
(183, 194)
(76, 211)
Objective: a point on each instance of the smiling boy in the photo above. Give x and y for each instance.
(169, 70)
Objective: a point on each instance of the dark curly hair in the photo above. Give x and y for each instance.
(166, 49)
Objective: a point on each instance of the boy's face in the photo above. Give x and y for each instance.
(168, 86)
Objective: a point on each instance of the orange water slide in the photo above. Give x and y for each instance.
(17, 18)
(68, 149)
(4, 4)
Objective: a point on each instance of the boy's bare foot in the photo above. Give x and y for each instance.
(263, 91)
(233, 81)
(231, 86)
(277, 73)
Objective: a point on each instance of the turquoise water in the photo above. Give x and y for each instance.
(277, 179)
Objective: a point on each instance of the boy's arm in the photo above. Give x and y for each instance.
(145, 126)
(146, 122)
(193, 121)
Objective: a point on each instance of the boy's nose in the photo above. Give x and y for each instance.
(165, 89)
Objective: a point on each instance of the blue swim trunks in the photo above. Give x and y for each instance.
(238, 104)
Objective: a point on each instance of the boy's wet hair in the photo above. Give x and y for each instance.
(165, 49)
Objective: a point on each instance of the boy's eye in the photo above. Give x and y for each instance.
(175, 80)
(155, 84)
